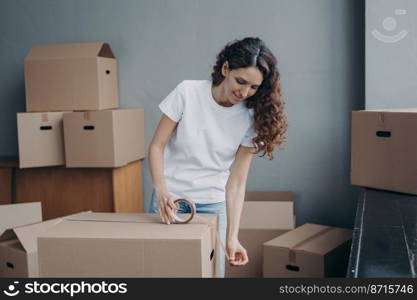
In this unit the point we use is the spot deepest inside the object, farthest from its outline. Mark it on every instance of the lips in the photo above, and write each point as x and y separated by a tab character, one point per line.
238	98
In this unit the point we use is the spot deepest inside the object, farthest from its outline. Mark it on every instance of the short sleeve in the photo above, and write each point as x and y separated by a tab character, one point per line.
173	104
249	135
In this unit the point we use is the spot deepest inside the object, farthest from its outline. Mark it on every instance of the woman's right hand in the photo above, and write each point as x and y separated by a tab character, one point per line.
166	206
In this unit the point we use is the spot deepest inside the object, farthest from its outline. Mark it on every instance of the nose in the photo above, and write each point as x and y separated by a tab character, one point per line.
244	92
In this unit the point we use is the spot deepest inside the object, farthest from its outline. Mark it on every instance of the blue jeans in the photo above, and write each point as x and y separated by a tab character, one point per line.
218	208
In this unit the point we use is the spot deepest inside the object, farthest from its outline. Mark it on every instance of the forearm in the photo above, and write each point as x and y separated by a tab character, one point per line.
156	165
235	194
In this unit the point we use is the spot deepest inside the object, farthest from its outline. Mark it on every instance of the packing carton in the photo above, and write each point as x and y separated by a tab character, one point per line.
384	149
20	224
41	139
106	138
128	245
310	250
261	221
79	76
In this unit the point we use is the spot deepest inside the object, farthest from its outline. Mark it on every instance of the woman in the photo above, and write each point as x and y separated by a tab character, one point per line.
203	146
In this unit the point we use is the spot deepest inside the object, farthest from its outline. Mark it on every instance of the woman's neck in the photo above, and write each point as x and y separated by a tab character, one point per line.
219	95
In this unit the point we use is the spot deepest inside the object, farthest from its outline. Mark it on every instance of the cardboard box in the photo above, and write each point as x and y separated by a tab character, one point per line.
384	149
80	76
20	225
310	250
269	196
262	221
128	245
107	138
41	139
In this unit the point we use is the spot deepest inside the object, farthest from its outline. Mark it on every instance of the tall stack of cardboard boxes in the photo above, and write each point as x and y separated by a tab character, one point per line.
73	119
72	116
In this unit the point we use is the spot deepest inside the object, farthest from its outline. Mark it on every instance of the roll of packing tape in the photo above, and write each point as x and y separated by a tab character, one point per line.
180	218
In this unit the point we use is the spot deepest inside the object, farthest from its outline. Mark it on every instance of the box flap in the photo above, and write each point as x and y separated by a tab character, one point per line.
105	51
68	51
267	215
324	243
269	196
28	234
7	235
127	226
18	214
313	238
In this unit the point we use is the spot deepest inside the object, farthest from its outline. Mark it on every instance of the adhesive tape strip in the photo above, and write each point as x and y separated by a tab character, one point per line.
178	218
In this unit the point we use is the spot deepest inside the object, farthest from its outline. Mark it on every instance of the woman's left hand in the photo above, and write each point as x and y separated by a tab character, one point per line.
237	253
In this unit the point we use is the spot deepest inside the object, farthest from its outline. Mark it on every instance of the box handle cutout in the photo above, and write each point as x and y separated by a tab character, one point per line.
88	127
107	72
46	128
10	265
292	268
211	255
384	134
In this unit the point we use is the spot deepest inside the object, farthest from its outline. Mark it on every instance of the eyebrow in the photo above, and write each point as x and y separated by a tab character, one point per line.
243	79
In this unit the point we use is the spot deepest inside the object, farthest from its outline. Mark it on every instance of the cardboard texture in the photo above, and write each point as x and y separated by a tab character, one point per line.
262	221
66	77
384	149
128	245
269	195
310	250
14	215
107	138
20	226
41	139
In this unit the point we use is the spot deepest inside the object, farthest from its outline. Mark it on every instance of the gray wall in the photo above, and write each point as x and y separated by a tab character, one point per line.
391	54
319	45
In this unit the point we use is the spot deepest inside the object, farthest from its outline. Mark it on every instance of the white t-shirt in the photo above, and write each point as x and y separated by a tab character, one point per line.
201	150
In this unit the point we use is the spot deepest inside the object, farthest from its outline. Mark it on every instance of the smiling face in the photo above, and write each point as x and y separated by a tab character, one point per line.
240	84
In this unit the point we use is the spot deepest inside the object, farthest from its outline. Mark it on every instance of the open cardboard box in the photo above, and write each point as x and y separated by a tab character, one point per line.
20	225
74	76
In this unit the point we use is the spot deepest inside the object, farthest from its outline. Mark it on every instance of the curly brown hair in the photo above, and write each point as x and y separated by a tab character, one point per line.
270	122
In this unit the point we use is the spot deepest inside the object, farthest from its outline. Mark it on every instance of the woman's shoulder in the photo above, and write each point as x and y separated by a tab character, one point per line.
190	90
193	84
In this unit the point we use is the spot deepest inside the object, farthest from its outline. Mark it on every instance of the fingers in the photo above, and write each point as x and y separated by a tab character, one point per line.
162	213
239	258
232	257
171	207
245	258
166	211
171	204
